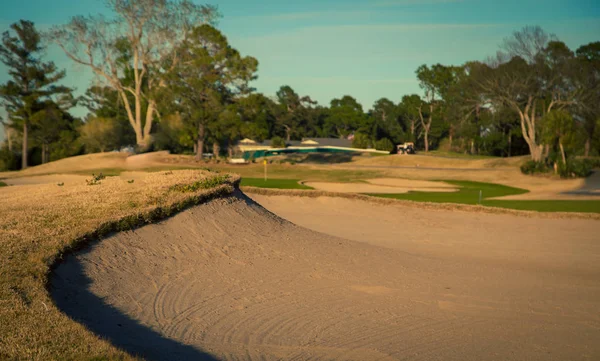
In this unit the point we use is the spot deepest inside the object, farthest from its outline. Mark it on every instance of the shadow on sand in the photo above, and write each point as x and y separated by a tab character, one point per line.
70	289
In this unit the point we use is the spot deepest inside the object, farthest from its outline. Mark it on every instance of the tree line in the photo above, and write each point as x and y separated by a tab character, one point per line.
167	78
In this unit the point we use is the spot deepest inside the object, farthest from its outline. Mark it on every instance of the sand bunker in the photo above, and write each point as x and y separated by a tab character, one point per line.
231	280
384	185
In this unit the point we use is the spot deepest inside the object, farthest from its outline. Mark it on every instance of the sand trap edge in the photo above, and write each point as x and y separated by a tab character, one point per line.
136	220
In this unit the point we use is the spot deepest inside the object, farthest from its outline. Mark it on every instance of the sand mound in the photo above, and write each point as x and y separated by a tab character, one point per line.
383	185
230	279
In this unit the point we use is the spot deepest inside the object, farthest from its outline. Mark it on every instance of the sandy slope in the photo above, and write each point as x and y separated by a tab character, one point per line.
384	185
232	279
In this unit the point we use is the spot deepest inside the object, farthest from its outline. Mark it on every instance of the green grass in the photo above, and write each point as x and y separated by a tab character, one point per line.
589	206
468	193
273	183
2	184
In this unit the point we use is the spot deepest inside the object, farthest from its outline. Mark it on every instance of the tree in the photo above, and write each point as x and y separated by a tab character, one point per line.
98	134
588	58
129	52
292	111
385	123
105	102
345	116
257	116
560	128
435	82
533	82
209	75
54	130
409	110
33	82
278	142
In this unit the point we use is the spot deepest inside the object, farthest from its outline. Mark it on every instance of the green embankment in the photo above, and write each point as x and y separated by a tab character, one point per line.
273	183
469	192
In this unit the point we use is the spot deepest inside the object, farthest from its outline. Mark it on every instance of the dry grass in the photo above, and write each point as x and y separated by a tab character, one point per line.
422	205
39	223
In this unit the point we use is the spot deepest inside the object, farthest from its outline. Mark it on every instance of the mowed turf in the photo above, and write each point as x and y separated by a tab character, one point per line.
2	184
469	193
273	183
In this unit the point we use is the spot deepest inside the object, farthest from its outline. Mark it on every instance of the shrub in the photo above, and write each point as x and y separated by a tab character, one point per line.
361	141
533	167
575	168
384	144
277	142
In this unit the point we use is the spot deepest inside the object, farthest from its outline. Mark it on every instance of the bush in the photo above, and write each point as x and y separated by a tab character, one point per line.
277	142
384	144
533	167
592	162
361	141
575	168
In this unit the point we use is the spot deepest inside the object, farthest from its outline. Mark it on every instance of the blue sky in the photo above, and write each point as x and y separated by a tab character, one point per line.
368	49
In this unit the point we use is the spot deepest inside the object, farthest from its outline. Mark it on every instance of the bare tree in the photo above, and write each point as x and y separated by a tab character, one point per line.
527	43
129	52
533	81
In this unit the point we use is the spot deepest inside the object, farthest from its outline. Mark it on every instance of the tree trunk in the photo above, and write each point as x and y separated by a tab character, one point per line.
44	154
412	130
216	150
230	151
25	136
200	142
472	147
509	143
562	152
426	138
146	139
451	136
587	147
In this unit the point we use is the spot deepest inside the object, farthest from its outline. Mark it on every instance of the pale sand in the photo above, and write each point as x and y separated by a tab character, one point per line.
378	188
233	279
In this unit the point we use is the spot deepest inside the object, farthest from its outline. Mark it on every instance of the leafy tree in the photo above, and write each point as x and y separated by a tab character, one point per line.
278	142
533	82
435	82
210	74
99	134
361	141
128	52
54	130
345	116
384	144
560	128
33	81
385	123
409	110
292	112
105	102
588	59
257	116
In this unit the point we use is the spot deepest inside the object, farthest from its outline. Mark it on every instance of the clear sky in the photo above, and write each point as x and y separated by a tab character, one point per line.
365	48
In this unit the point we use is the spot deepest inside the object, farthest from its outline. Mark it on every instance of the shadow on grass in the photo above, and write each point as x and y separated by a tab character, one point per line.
70	289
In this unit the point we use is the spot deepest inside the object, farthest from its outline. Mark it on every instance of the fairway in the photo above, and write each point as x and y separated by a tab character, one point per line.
273	183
